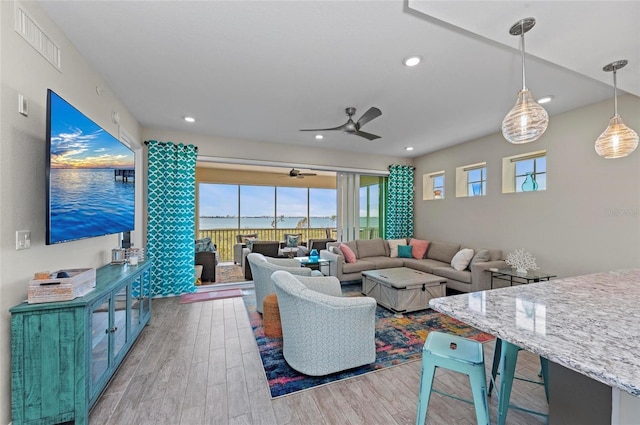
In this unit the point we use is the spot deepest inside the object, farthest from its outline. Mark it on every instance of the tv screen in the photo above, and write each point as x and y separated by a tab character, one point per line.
90	177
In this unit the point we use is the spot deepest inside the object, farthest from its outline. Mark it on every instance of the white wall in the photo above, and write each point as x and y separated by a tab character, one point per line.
22	164
587	220
276	152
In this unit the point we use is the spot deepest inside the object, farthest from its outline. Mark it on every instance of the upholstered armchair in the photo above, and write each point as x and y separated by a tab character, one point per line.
241	243
263	267
324	333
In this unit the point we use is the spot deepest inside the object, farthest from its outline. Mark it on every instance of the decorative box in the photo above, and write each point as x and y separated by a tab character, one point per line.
78	283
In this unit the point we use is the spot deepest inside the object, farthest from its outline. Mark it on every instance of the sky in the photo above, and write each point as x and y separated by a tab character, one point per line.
222	200
78	142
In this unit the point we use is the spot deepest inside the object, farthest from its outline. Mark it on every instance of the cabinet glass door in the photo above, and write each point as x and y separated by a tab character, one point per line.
99	340
119	328
146	293
136	297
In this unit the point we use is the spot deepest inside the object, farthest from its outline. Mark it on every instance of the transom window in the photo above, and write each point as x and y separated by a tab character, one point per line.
477	182
531	174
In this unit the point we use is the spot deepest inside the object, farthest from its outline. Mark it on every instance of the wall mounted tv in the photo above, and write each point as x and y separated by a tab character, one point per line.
90	177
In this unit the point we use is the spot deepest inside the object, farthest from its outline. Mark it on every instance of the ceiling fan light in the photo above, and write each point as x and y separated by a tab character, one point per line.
526	121
617	140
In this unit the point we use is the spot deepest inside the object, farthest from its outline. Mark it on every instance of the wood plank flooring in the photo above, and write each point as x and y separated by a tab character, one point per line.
198	364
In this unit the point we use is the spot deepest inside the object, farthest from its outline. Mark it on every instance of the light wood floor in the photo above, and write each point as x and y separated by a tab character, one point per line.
199	364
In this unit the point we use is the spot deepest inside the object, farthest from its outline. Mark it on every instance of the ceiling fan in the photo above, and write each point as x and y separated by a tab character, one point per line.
299	175
351	127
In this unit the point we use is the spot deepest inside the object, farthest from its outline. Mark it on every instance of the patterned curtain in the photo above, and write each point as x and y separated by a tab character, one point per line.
399	217
171	203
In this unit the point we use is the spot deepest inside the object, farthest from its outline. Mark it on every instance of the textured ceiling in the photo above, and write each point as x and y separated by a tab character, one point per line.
263	70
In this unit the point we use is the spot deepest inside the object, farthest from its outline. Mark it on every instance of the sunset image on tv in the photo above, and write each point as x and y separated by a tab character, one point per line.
91	177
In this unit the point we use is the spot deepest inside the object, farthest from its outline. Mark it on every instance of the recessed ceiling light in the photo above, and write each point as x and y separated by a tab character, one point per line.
545	99
319	136
412	60
189	119
408	148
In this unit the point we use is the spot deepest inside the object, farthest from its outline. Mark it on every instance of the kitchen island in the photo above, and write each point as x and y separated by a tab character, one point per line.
588	327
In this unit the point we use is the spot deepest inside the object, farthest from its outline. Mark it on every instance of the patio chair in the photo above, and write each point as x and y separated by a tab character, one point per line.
241	243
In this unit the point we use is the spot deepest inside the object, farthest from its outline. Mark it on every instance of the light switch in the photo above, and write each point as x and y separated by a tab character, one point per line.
23	239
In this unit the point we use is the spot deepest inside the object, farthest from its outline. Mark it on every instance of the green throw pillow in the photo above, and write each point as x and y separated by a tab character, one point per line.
405	251
293	241
249	242
204	245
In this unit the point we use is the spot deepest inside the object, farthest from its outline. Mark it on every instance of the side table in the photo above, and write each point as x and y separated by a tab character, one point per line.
512	276
316	264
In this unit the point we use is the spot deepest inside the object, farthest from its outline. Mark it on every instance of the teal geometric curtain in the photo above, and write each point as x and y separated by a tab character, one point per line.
171	188
399	218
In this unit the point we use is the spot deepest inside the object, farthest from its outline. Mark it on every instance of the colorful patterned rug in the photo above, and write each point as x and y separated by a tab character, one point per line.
398	340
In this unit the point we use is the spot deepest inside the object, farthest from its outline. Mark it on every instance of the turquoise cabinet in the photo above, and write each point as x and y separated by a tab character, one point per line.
63	354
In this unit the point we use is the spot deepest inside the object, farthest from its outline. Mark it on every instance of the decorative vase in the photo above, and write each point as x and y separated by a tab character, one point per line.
313	255
529	184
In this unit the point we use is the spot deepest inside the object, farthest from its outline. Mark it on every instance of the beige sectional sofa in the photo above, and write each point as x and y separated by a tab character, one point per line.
372	254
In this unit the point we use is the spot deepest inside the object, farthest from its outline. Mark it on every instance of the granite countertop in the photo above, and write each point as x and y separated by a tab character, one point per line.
589	324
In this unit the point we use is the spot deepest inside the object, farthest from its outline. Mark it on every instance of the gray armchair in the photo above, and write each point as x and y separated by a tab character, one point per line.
241	243
266	248
263	267
324	333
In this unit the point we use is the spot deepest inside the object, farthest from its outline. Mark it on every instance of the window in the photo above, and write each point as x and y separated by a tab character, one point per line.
433	186
525	173
471	180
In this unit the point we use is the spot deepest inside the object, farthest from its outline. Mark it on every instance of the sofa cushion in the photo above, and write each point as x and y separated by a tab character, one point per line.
249	240
393	246
405	251
349	255
370	248
450	273
419	247
461	260
424	265
442	251
385	262
358	266
481	256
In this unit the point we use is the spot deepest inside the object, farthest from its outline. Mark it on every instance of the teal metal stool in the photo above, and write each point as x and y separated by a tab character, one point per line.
505	357
458	354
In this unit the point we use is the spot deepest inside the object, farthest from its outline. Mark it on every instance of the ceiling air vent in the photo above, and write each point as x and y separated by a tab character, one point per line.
30	31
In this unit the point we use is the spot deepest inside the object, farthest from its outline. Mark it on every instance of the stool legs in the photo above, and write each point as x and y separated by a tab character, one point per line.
424	394
508	360
478	380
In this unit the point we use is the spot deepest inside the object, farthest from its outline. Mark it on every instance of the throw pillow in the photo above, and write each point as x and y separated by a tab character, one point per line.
250	241
405	251
419	247
481	256
393	246
461	260
293	241
204	245
349	255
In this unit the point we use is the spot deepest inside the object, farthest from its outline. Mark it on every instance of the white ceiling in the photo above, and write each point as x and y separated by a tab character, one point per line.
262	70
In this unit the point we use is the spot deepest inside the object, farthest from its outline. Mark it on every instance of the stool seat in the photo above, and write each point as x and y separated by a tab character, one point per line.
460	355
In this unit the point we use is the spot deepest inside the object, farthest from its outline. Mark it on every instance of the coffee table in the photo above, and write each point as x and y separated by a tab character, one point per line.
402	289
315	264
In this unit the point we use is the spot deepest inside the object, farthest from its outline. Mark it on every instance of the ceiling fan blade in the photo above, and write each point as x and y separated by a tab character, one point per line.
307	174
366	135
372	113
326	129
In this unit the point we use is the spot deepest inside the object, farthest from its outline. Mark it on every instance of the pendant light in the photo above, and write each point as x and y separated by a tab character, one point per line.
527	121
617	140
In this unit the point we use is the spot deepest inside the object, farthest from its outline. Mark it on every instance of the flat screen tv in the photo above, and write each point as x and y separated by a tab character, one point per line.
90	177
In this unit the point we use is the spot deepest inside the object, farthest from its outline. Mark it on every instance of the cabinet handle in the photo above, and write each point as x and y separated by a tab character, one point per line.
112	330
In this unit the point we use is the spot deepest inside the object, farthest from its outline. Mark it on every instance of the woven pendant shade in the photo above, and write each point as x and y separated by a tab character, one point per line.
526	121
617	140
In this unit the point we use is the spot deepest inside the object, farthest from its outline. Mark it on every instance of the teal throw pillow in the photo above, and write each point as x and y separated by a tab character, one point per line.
249	242
405	251
204	245
293	241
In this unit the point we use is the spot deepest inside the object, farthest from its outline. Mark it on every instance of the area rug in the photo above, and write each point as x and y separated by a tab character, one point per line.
227	273
210	295
398	340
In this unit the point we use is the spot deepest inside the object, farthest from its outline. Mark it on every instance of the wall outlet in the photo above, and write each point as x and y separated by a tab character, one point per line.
23	105
23	239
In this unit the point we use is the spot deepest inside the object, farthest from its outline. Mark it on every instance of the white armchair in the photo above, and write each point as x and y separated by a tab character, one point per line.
324	333
263	267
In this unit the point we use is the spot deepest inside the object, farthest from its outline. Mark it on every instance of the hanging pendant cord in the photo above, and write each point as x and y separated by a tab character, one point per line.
615	93
524	86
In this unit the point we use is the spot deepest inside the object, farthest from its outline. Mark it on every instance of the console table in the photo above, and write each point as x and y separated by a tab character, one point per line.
511	276
63	354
